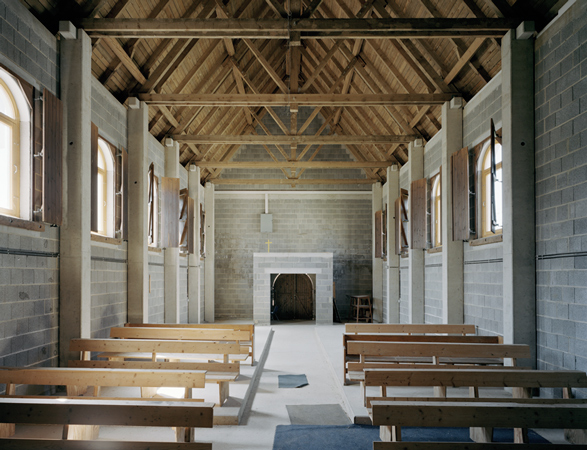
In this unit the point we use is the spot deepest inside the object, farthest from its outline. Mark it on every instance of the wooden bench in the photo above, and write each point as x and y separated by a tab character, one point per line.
477	414
95	412
77	381
218	373
410	328
352	363
248	328
463	446
402	354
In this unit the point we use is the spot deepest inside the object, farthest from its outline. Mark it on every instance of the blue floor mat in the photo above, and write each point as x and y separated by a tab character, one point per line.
361	437
292	381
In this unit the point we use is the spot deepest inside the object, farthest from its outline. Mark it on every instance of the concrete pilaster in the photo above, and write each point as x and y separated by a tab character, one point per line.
452	251
519	272
138	257
209	261
416	260
194	260
75	246
377	296
171	255
391	268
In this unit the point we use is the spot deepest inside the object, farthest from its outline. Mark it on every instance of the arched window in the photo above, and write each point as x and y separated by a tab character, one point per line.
106	203
436	215
491	197
15	149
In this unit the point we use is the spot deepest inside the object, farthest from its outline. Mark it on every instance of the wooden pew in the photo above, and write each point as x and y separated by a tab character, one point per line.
219	373
95	412
477	414
249	328
352	363
77	381
411	328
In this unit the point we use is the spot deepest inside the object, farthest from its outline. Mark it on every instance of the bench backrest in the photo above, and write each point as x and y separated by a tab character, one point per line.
217	326
158	365
194	334
479	414
106	412
476	377
155	346
438	349
64	376
418	328
473	339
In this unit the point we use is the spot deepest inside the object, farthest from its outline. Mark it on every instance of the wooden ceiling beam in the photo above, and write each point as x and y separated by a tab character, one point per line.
276	78
293	164
231	100
277	8
295	139
464	60
355	28
125	59
291	181
311	9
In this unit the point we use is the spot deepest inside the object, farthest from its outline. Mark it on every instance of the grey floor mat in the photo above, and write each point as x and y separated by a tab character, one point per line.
317	415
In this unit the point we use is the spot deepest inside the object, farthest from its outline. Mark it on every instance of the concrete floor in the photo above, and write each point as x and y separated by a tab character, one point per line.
284	348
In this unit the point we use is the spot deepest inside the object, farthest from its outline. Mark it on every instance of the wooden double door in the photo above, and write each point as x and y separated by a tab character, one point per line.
293	295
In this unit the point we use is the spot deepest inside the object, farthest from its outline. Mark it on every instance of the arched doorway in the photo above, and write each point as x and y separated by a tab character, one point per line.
293	297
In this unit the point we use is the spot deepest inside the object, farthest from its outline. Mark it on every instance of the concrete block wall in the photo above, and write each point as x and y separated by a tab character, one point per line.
28	48
311	223
483	287
483	265
109	288
561	191
109	261
29	297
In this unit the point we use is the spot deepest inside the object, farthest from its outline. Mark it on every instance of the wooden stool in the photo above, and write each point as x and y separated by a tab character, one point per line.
361	308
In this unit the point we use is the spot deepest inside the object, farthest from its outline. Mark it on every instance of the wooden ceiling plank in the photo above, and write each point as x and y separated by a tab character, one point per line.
266	65
421	112
311	9
167	64
425	66
323	61
168	115
396	73
277	8
474	8
464	60
117	9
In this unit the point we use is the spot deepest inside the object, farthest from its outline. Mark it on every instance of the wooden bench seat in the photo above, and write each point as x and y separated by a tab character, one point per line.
249	328
352	363
477	414
219	373
77	381
96	412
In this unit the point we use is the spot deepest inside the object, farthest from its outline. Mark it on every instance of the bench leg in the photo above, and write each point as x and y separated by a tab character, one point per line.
440	391
481	434
148	392
222	392
81	432
7	430
390	433
185	434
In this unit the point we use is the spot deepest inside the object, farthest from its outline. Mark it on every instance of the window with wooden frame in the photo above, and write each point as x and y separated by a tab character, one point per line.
436	211
186	223
381	233
202	232
490	172
109	188
153	207
401	223
31	133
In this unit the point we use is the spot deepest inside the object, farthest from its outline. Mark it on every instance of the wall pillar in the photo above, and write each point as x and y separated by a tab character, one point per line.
209	261
75	246
519	268
453	298
138	236
377	295
391	267
171	255
416	260
194	259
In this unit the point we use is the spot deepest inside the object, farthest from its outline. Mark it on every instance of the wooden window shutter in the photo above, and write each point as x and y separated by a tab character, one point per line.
398	226
460	195
186	222
151	205
94	177
38	167
124	186
378	233
52	158
384	233
418	214
202	232
170	212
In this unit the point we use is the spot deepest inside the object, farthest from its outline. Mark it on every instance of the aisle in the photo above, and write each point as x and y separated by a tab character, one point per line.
295	349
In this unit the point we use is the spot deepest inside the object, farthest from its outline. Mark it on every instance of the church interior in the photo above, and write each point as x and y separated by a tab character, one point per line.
384	199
